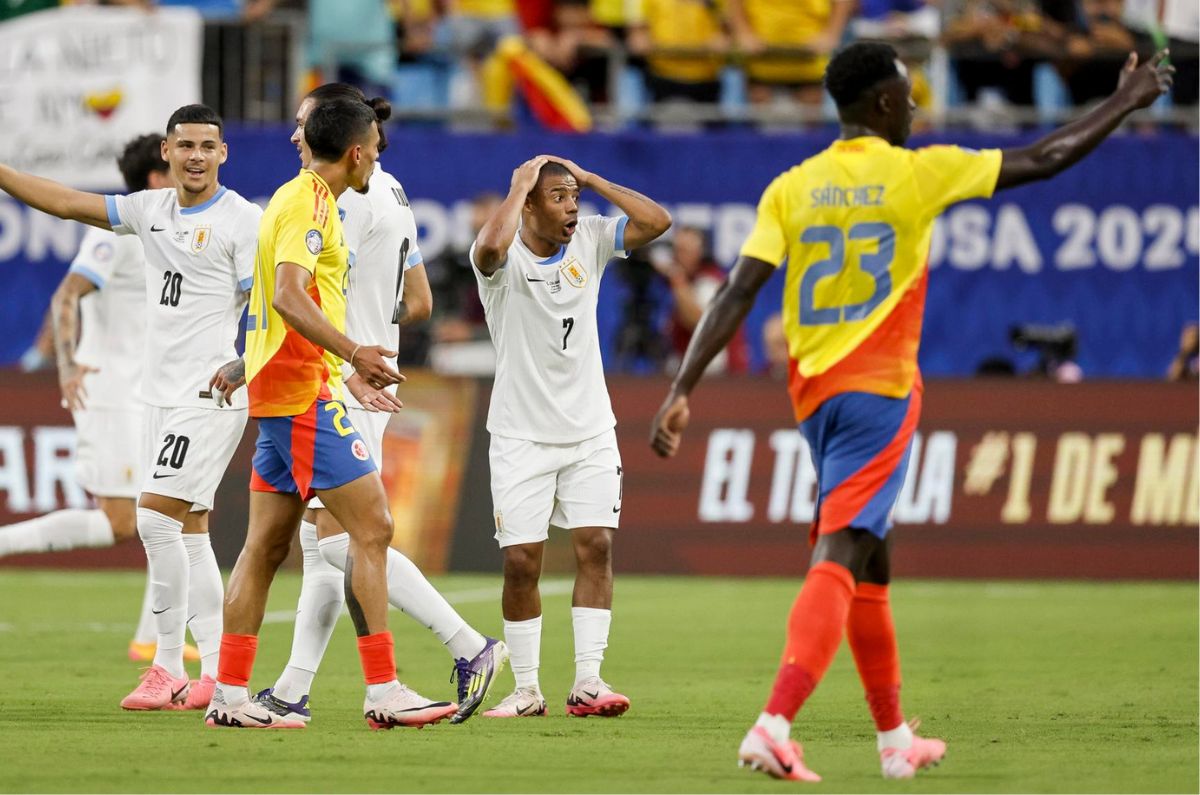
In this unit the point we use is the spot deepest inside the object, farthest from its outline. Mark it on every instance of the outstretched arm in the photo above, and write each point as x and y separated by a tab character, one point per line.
717	327
647	218
493	240
1137	88
54	198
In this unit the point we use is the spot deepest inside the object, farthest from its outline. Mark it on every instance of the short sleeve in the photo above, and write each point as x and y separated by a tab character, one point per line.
299	238
948	174
126	213
768	240
245	246
96	257
488	282
414	257
608	234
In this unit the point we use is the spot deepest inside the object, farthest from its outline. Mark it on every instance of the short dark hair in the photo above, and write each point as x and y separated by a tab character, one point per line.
552	169
858	68
335	126
140	158
381	107
196	114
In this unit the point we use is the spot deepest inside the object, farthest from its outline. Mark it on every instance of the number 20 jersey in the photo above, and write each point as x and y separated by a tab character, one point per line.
541	312
199	266
854	225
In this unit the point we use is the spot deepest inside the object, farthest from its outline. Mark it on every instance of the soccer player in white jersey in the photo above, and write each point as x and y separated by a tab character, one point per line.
98	315
387	289
554	455
199	241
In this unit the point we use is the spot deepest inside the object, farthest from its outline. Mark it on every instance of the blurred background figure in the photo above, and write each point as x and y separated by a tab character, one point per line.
696	29
694	278
775	348
1186	364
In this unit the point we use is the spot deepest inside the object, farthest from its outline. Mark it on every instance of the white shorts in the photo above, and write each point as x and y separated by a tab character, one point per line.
188	451
109	457
536	486
371	426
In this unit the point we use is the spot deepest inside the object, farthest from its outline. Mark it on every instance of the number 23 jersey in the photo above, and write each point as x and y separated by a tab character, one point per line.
541	312
854	224
199	267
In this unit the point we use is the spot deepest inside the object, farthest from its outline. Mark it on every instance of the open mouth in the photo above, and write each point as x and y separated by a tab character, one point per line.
569	228
194	171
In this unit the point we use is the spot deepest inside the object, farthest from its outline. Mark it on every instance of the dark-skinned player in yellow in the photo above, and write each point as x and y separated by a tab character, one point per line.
854	224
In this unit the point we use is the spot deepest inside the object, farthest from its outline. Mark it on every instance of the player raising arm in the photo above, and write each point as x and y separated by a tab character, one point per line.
554	457
198	239
853	224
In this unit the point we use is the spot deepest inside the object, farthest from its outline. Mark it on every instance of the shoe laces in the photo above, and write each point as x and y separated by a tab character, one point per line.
156	678
465	676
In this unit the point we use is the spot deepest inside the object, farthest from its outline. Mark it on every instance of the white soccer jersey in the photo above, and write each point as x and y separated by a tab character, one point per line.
200	266
112	318
541	313
381	234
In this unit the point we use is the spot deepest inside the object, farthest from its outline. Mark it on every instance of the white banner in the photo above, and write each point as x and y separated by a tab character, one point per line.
78	82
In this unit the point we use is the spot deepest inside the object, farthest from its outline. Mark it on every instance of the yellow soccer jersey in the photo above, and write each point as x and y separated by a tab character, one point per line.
854	224
285	372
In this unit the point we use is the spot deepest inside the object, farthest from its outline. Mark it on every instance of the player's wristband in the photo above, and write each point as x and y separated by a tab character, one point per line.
351	359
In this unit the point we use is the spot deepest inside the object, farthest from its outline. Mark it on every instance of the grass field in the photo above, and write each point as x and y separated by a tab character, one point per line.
1037	687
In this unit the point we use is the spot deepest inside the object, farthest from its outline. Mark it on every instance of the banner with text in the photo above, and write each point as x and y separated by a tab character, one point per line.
77	83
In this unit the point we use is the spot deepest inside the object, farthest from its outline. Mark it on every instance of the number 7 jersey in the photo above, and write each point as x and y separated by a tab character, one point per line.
854	224
541	312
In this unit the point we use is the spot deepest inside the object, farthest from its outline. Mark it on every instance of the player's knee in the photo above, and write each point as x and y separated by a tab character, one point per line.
124	528
594	550
522	567
269	550
375	531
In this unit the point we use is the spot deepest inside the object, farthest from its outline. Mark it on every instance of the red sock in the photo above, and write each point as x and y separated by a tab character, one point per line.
378	658
815	628
236	660
873	640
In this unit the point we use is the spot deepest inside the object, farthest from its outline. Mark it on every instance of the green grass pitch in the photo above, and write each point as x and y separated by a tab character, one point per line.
1037	687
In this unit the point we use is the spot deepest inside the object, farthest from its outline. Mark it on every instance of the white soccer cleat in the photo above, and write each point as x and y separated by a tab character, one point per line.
401	706
255	713
593	696
524	702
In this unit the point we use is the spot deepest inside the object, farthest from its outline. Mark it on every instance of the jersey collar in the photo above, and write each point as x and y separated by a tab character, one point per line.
318	178
199	208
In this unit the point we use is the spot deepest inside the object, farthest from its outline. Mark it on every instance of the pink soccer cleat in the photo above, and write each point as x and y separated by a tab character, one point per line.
905	762
401	706
158	690
199	694
759	751
593	696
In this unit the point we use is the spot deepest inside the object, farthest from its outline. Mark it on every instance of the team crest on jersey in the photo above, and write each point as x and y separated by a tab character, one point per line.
574	273
314	241
200	237
359	449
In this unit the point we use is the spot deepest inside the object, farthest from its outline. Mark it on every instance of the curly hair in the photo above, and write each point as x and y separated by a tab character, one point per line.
858	68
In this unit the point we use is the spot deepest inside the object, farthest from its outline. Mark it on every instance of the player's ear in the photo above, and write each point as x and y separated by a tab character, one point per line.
883	103
224	152
162	150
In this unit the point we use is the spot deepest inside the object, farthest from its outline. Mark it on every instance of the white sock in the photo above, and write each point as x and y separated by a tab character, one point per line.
408	590
232	695
167	557
147	629
900	737
776	725
379	691
322	594
56	532
206	597
591	639
524	639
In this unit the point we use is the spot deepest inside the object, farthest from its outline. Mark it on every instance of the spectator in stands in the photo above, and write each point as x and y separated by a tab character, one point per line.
1174	24
694	278
997	43
815	26
565	35
1096	49
911	26
686	25
1186	364
457	311
775	347
416	22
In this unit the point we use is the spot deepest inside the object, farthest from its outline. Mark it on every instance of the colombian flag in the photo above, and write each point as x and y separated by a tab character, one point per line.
550	97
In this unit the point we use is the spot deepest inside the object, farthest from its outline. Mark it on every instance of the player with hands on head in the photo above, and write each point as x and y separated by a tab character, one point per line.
854	225
554	457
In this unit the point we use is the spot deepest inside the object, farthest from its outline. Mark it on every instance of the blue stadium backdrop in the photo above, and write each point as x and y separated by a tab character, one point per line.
1110	246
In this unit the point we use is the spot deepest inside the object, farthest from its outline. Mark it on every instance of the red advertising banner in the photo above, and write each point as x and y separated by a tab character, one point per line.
1008	478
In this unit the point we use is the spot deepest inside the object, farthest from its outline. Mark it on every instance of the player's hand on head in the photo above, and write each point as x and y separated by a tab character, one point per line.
370	362
70	381
1147	82
581	176
666	432
525	176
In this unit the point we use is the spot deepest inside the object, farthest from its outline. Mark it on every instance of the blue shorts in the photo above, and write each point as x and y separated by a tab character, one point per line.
318	449
860	445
